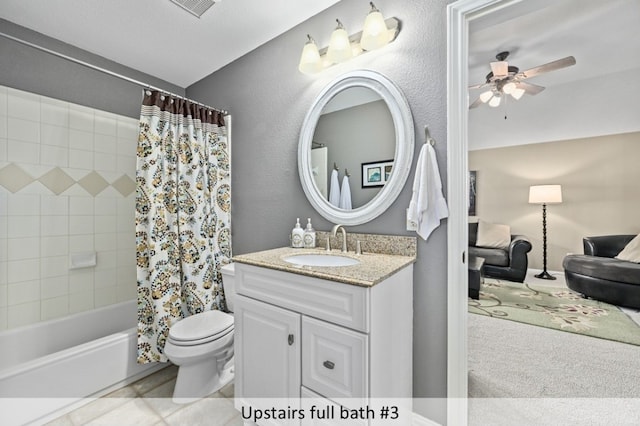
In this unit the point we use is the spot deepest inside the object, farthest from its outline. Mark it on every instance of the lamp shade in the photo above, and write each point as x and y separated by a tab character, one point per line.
545	194
495	101
310	62
517	93
485	96
339	46
375	33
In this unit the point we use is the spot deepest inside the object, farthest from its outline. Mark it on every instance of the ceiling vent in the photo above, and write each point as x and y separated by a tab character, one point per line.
195	7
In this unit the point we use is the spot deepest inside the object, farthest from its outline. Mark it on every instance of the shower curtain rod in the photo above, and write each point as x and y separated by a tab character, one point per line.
104	70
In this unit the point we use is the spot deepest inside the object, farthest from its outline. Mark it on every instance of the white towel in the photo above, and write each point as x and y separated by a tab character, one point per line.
427	206
345	194
334	190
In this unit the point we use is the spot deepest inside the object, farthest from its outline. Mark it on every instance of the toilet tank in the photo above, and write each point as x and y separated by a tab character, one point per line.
229	284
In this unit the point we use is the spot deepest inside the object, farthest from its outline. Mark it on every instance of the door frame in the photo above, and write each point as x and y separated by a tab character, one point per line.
459	15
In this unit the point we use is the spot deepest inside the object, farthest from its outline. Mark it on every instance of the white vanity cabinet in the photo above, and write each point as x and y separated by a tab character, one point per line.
297	336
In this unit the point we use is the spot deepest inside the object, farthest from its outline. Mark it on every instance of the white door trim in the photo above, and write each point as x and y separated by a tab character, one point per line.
459	15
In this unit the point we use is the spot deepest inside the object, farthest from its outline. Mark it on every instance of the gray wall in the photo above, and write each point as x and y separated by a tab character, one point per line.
600	191
29	69
269	98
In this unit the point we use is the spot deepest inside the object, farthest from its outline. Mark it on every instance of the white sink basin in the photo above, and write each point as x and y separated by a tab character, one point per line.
321	260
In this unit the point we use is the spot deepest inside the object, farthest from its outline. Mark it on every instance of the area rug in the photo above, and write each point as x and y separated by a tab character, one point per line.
556	308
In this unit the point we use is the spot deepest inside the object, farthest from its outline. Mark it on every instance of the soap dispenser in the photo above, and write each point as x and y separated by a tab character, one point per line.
297	235
309	235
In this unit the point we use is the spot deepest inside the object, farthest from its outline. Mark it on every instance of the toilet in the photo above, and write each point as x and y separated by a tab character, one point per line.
202	347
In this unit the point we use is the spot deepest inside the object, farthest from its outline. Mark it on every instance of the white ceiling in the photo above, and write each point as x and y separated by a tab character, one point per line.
599	95
160	38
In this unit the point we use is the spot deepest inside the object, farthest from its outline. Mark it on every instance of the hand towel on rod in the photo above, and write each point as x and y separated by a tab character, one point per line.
345	194
334	189
427	206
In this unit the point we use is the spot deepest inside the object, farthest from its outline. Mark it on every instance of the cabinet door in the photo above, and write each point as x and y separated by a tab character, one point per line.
335	362
267	351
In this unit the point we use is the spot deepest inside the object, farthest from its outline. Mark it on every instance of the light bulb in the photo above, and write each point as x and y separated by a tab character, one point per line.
339	45
495	101
310	62
485	96
509	87
375	33
517	93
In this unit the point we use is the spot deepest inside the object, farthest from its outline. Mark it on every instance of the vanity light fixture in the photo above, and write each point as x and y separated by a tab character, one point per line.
377	32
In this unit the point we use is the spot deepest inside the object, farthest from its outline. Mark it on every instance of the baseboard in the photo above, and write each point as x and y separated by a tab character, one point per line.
418	420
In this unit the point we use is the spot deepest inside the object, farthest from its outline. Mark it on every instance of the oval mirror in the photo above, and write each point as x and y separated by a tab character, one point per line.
361	125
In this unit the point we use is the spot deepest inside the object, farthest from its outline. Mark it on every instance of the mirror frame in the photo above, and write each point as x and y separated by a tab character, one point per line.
404	132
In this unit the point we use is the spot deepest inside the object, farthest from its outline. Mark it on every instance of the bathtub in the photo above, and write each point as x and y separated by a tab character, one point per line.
47	366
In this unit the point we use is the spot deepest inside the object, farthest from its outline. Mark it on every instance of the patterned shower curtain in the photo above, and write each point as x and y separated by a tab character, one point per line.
182	216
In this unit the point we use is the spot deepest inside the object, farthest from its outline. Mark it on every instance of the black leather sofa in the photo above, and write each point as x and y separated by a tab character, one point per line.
509	264
598	275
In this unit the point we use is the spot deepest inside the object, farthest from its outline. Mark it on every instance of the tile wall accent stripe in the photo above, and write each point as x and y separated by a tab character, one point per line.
93	183
56	180
13	178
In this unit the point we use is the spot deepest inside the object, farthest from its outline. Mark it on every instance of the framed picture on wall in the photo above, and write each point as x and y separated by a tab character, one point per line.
376	174
473	192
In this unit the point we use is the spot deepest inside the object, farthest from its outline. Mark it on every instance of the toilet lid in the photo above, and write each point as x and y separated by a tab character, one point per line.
203	326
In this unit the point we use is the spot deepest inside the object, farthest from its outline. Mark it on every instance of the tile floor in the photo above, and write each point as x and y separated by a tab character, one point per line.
148	402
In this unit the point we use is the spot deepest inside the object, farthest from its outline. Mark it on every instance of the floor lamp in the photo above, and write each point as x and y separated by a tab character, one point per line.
545	194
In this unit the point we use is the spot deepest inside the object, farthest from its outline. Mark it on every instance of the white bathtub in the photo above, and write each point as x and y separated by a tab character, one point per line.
47	366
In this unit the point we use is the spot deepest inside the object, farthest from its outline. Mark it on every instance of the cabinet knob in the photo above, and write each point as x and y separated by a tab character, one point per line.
290	339
329	365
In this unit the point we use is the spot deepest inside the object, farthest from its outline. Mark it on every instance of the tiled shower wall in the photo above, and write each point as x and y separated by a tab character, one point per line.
67	186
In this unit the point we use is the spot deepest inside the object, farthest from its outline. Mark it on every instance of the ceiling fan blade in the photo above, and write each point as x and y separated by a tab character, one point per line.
475	103
478	86
531	89
500	69
551	66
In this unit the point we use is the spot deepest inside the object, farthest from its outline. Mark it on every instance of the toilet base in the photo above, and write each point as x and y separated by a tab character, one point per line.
199	380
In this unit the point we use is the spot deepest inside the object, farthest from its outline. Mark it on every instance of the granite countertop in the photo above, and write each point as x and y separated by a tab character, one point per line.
372	269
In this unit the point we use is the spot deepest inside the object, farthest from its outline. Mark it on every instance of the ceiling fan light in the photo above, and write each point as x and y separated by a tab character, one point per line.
375	33
310	62
517	93
485	96
339	45
509	87
495	101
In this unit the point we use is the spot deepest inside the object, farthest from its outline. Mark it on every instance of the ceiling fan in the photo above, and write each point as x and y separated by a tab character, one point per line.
505	79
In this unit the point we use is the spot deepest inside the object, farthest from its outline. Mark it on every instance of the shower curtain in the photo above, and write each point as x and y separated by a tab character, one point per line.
182	216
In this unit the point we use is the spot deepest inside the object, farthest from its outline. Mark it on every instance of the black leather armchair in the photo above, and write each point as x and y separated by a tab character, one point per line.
509	264
597	274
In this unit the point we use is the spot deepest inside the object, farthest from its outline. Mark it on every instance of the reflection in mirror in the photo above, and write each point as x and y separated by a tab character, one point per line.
355	128
360	122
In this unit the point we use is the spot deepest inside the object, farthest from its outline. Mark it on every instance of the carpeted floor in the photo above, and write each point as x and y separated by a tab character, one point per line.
529	375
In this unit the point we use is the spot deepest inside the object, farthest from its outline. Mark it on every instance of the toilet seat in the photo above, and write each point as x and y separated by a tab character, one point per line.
201	328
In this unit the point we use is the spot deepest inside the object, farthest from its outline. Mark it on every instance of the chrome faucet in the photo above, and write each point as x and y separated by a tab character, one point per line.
334	231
